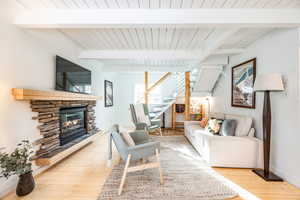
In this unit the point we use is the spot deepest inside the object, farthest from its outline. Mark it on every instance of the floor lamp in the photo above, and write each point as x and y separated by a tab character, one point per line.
267	83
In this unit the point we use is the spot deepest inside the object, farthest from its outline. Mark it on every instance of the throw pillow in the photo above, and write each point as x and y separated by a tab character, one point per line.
203	122
228	127
128	138
251	132
214	125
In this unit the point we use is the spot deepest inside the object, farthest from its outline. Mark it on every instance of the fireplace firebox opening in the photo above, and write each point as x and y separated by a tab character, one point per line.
73	124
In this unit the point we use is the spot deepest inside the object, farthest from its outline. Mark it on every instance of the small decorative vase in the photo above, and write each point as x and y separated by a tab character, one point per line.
26	184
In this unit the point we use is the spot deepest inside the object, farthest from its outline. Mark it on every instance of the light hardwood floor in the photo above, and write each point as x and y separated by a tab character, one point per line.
81	176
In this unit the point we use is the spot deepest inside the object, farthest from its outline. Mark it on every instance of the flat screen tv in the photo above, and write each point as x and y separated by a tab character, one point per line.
71	77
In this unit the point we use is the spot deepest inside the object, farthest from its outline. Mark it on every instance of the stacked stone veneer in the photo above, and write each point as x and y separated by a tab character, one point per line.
48	117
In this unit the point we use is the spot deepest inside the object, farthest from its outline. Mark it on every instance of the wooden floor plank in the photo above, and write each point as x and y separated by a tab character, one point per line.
81	176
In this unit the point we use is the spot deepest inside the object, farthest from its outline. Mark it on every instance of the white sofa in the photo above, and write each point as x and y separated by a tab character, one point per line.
239	151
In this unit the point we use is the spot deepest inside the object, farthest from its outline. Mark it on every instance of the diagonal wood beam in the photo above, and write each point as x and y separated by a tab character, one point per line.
159	81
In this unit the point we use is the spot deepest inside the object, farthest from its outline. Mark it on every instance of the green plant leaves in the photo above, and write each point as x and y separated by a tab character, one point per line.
17	162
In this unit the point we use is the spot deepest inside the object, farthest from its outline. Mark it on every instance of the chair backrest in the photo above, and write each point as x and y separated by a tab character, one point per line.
141	113
120	143
133	114
146	109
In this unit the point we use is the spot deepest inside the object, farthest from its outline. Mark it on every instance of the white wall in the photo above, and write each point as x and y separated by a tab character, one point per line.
277	52
27	60
105	116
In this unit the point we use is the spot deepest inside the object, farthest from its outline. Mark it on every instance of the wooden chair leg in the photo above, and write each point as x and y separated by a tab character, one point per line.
124	175
160	132
159	167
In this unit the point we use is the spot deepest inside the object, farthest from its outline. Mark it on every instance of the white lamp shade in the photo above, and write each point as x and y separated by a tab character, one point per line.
268	82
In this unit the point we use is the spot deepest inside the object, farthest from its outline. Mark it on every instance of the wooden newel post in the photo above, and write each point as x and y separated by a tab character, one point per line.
146	87
187	96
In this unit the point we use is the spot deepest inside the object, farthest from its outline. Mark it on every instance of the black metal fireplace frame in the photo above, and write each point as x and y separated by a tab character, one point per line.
64	110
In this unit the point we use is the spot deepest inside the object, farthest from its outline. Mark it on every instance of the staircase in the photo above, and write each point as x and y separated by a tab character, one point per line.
202	82
176	88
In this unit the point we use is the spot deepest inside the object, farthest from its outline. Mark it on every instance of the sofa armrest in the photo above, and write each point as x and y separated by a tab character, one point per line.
260	150
187	123
232	151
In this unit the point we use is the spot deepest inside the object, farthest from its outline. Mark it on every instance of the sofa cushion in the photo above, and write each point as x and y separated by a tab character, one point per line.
196	128
203	122
251	132
243	125
214	125
228	127
126	136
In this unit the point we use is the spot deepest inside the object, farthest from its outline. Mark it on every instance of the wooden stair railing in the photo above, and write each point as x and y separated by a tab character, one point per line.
157	83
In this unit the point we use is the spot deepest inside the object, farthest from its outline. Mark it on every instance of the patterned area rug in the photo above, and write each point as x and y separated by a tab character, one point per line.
186	176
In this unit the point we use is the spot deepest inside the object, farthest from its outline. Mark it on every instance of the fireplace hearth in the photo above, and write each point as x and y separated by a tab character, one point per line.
72	124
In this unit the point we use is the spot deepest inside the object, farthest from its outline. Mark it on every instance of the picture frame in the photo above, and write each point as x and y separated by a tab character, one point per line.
108	93
242	81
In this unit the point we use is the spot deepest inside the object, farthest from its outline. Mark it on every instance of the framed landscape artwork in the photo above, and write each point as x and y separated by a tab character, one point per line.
108	93
243	76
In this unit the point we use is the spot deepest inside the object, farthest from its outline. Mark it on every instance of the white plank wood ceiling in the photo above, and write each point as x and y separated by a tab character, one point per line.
141	38
159	38
161	44
154	63
158	4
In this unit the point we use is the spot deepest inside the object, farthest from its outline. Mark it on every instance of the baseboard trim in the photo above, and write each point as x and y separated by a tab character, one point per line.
290	179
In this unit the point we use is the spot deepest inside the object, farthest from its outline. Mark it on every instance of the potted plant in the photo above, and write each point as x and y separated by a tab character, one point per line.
19	163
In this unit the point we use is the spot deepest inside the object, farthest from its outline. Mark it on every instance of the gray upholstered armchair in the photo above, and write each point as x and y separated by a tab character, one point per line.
155	124
143	149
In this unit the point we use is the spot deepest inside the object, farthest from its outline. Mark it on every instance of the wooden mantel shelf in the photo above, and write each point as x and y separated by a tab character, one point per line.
29	94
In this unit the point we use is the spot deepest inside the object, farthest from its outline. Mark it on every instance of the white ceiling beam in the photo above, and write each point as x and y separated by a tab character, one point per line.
215	42
141	54
113	18
211	46
215	60
232	51
142	68
152	54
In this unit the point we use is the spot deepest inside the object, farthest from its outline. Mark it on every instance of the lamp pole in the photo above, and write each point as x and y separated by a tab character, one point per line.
267	119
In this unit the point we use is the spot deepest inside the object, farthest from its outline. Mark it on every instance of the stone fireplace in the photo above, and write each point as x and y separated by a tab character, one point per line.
66	122
63	124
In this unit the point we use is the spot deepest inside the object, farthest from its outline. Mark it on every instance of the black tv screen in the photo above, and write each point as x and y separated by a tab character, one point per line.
72	77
